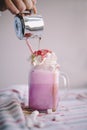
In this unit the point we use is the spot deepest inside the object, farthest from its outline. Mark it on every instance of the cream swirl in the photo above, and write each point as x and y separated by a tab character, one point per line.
44	58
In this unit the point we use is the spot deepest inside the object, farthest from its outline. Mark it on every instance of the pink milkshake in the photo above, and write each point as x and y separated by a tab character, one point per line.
43	84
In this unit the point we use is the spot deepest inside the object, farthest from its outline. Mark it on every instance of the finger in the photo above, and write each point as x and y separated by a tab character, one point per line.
29	4
20	5
35	9
34	1
34	6
10	5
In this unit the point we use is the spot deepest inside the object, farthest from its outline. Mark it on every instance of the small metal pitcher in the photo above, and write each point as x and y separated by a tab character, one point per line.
27	25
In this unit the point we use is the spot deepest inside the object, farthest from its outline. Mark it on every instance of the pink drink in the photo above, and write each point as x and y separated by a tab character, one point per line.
43	93
43	85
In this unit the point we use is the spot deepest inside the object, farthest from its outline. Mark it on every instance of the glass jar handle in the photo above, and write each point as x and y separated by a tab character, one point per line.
65	78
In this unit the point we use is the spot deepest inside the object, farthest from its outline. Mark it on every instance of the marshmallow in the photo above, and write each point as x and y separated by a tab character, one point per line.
49	111
29	123
36	113
32	120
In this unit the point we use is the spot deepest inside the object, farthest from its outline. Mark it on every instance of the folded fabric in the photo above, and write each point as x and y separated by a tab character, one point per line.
11	114
19	90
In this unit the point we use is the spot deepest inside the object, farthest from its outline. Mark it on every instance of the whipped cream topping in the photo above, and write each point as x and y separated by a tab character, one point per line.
44	58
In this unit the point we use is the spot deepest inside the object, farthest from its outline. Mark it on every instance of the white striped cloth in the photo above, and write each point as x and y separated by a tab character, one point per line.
11	114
